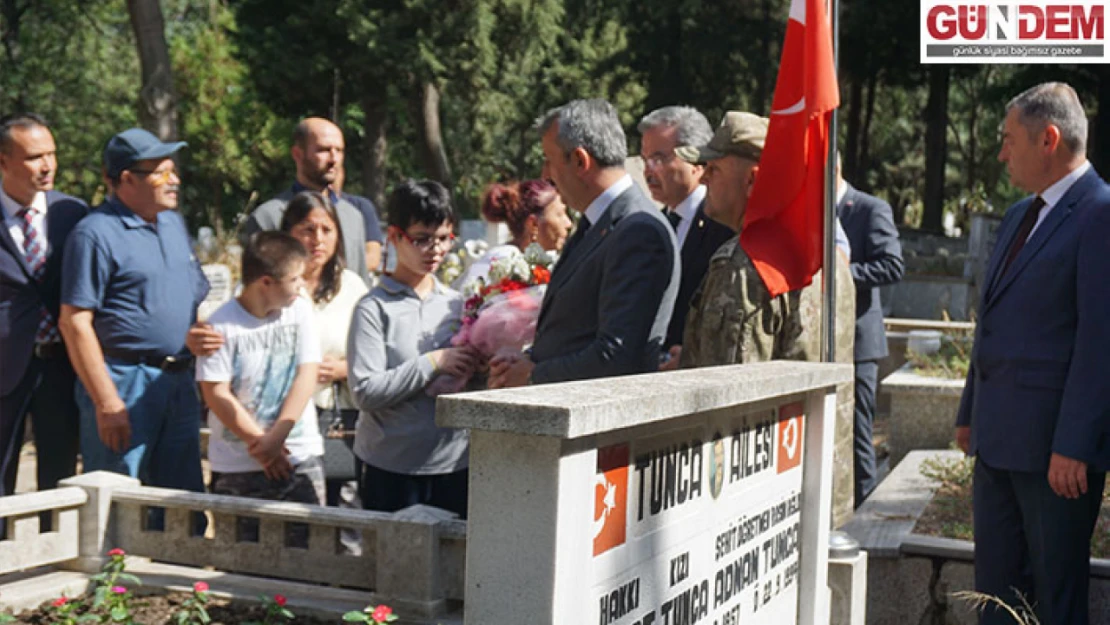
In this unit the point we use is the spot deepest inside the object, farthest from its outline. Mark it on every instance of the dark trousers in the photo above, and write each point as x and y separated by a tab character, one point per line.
865	467
1031	541
46	392
386	491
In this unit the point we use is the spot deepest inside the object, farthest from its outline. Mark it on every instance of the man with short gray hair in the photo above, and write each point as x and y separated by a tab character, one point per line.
1034	412
677	185
611	294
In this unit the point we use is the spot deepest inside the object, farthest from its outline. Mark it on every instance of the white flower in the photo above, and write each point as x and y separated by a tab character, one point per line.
451	268
474	287
534	254
500	268
475	249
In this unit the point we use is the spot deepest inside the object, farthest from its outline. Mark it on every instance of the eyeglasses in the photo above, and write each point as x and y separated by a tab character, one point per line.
156	178
425	244
657	159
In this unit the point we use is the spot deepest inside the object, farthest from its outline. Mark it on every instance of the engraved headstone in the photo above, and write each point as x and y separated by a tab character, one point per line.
220	289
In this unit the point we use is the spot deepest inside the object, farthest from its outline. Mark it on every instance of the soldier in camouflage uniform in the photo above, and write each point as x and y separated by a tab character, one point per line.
733	318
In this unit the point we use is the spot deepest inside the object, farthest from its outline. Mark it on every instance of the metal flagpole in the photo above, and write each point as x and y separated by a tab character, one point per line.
828	273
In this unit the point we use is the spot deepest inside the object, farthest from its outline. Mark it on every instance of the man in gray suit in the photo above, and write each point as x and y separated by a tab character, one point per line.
318	154
876	261
613	290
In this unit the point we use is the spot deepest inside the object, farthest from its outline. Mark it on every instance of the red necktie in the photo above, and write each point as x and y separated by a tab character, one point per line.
1027	223
34	252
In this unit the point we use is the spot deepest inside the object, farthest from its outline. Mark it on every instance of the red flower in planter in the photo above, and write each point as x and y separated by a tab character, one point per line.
200	587
381	613
59	602
117	552
119	590
280	600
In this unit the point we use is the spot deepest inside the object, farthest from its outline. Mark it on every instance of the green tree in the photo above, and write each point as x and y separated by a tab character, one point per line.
74	63
237	145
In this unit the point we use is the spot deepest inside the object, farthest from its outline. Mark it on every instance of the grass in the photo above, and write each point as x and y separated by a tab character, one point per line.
949	514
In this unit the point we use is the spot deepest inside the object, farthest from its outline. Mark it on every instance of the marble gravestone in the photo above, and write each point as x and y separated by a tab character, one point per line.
698	496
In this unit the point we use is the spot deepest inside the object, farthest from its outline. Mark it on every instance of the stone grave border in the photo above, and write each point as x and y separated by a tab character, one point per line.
910	574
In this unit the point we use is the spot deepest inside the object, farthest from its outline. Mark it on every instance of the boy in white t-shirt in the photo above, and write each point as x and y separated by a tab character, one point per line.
265	441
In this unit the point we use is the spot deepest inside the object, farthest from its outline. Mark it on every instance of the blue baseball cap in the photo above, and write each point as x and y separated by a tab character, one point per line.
134	145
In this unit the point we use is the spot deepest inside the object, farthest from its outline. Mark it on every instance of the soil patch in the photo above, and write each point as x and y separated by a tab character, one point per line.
152	606
948	515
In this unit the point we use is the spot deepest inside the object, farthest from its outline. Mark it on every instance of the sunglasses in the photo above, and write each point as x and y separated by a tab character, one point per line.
156	178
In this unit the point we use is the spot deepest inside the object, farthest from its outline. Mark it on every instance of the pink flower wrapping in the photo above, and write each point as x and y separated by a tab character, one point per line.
506	321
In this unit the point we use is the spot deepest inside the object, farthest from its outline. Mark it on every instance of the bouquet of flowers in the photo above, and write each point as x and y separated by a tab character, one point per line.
501	311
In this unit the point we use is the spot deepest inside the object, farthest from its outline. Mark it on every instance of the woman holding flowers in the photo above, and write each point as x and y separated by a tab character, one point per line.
534	213
399	343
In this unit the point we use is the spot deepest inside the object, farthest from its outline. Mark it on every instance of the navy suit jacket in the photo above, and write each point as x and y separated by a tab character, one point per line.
1037	383
702	241
21	295
610	298
876	261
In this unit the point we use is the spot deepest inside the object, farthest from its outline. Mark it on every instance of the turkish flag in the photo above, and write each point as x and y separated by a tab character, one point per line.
784	222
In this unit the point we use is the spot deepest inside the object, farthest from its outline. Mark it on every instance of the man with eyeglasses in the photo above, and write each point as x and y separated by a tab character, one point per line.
130	290
677	185
37	221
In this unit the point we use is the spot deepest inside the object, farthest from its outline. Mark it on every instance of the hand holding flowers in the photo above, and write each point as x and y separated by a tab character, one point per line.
501	312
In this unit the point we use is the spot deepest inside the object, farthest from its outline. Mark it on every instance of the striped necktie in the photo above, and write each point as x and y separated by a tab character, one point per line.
34	252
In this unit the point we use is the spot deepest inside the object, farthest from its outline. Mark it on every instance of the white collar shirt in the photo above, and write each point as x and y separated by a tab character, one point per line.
601	203
1055	193
13	221
841	191
686	210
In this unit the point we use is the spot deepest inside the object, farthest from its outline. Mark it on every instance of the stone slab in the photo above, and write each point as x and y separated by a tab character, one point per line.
931	297
245	506
884	521
577	409
27	591
900	324
54	499
906	381
922	411
937	547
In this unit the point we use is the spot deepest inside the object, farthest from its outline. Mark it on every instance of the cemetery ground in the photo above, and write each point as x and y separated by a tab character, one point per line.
157	606
948	515
153	605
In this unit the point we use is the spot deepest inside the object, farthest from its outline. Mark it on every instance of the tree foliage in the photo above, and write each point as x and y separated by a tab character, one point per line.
451	88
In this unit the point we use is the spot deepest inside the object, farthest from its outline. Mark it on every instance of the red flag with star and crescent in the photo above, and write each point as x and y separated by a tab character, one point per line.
783	230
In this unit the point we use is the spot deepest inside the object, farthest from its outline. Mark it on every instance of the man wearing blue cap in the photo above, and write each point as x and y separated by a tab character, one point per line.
130	290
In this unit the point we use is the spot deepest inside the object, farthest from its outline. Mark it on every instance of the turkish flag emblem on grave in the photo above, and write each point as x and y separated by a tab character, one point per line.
610	498
791	421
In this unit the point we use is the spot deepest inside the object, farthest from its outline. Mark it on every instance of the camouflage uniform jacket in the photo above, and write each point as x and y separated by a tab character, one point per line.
733	319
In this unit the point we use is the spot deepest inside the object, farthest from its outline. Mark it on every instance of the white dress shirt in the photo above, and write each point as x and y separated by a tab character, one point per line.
1055	193
686	210
601	203
14	222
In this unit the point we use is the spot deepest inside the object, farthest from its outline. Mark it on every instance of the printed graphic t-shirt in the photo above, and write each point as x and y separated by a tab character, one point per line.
259	358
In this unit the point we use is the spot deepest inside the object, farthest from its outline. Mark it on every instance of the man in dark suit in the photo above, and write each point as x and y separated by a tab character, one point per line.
876	257
1035	412
35	375
612	292
677	185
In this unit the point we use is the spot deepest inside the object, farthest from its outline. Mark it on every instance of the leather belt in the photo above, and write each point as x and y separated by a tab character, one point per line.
50	351
170	364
